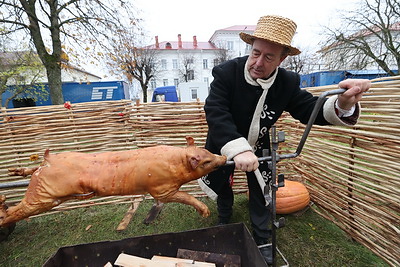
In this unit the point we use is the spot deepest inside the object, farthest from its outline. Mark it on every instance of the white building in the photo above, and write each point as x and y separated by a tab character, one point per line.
196	59
339	56
74	74
36	72
179	58
228	38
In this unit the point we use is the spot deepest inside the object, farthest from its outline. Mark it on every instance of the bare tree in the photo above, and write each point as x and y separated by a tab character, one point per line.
303	63
222	54
295	63
186	69
136	62
84	22
368	35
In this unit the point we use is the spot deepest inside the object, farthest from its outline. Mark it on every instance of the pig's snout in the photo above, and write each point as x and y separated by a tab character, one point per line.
222	160
203	162
219	161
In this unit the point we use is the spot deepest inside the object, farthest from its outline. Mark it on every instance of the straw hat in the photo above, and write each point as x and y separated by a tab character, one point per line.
275	29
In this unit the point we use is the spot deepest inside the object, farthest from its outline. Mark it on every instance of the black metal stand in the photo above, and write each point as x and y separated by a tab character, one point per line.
277	180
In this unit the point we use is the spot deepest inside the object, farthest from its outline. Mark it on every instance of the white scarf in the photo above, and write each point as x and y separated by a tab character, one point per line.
255	122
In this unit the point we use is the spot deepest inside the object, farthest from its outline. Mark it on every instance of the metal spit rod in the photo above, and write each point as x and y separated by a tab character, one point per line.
14	184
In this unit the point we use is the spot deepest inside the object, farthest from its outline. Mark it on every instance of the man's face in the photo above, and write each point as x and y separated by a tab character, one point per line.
265	57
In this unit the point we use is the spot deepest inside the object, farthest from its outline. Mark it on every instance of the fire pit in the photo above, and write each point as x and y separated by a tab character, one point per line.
232	239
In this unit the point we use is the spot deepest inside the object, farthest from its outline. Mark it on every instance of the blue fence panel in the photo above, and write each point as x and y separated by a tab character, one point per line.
334	77
95	91
76	93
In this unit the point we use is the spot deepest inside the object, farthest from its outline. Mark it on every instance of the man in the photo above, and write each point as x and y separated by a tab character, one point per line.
247	96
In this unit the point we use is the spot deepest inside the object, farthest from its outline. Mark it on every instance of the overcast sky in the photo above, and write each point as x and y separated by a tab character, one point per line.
168	18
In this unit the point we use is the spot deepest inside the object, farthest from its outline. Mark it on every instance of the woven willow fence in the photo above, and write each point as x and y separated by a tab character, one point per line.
351	173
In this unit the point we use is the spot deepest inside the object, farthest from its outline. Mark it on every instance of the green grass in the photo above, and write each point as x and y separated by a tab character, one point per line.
308	240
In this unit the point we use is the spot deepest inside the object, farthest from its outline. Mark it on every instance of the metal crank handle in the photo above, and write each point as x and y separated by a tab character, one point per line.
311	120
307	130
261	159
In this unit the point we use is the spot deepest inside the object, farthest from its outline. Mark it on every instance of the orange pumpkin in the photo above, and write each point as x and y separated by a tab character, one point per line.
293	197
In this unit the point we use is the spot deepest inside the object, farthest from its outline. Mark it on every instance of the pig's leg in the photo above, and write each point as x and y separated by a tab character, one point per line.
21	171
187	199
4	231
3	209
36	200
24	210
33	204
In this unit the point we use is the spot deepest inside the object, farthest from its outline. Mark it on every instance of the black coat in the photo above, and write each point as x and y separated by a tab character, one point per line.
232	101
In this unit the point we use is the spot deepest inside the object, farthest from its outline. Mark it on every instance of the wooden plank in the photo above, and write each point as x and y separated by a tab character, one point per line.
218	259
128	216
182	262
185	264
125	260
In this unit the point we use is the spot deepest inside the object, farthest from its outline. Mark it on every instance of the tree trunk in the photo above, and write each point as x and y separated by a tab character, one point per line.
55	83
50	61
144	90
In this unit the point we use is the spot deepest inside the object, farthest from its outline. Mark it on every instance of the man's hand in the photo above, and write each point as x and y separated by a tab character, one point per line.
246	161
355	89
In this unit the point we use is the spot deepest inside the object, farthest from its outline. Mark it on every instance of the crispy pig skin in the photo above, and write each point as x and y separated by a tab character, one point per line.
158	170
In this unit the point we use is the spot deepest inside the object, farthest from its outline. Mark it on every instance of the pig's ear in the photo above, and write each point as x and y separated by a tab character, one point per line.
194	161
190	141
47	153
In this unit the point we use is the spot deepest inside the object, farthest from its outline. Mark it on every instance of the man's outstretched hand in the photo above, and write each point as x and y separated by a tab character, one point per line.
355	90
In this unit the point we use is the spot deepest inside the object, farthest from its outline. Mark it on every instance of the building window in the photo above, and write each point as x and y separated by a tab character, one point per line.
175	64
163	64
230	45
165	82
205	79
216	61
153	84
205	63
247	49
194	93
190	75
176	82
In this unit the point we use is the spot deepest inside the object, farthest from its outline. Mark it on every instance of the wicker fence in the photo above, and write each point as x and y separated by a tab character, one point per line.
352	173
